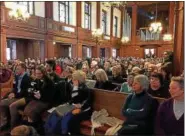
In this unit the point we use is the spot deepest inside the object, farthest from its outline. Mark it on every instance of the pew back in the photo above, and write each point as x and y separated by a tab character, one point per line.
111	101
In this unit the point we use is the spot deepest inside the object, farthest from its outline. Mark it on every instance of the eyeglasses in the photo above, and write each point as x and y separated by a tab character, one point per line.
154	79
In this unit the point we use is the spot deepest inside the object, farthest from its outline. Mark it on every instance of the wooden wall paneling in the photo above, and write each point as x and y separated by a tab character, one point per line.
30	49
19	49
73	49
179	40
49	48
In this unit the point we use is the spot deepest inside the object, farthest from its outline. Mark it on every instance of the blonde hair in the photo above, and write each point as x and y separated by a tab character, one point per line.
79	75
117	70
101	75
20	131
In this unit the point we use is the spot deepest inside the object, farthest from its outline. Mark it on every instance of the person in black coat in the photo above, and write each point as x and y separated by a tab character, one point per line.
157	88
116	75
102	81
50	69
14	99
41	94
81	98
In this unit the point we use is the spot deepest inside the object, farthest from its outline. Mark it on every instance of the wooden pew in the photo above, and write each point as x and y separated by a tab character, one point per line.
112	102
6	87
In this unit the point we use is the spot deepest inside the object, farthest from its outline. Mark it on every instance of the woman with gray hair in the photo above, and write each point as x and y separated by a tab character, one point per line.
139	109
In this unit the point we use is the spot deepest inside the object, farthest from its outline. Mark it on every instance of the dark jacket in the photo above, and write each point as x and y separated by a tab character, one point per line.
107	85
63	92
54	77
109	73
117	79
140	109
161	92
166	123
25	83
46	88
82	96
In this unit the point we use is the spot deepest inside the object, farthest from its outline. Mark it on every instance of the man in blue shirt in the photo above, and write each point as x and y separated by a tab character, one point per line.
15	98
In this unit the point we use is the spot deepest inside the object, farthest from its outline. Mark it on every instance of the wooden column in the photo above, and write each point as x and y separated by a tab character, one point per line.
49	47
79	50
3	45
171	17
178	61
78	14
98	14
49	9
78	46
134	23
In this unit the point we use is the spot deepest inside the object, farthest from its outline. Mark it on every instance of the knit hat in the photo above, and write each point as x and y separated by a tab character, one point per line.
159	76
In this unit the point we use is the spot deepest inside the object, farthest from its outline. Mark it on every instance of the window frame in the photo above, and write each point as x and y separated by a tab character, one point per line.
66	12
28	6
115	26
104	21
88	14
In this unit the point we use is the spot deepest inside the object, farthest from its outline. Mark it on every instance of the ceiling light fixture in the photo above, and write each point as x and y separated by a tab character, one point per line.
155	27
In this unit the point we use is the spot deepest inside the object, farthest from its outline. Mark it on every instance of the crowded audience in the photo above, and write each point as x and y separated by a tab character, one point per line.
37	86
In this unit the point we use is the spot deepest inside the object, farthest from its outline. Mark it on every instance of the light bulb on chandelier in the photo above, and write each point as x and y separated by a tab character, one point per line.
156	27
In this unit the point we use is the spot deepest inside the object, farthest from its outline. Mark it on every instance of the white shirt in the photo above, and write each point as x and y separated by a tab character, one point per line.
178	108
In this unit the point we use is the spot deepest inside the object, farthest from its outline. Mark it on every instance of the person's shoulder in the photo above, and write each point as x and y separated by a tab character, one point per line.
165	104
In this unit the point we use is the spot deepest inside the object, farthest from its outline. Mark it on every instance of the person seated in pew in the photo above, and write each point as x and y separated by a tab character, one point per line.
41	93
102	81
81	98
116	75
85	68
139	109
50	69
156	88
12	101
136	70
170	115
107	68
127	86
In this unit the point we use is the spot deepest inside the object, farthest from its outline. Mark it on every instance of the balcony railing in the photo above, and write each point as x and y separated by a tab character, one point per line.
146	35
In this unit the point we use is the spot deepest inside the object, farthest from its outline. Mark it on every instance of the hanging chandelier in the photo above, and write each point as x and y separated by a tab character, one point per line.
115	4
17	12
155	27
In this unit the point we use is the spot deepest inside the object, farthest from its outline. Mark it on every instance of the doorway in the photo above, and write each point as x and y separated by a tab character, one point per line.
149	52
102	52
